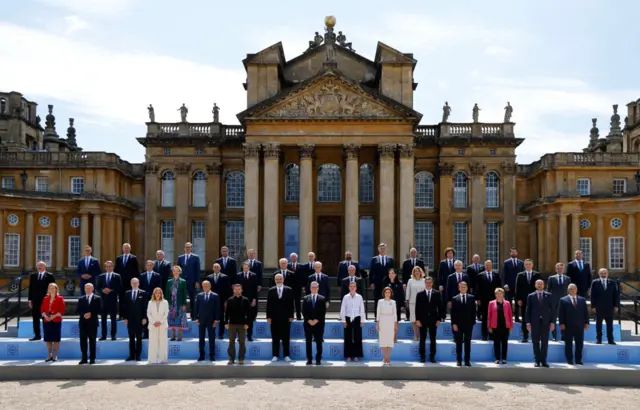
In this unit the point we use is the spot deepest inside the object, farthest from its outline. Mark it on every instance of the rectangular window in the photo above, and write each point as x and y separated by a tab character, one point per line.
77	185
493	241
424	237
11	250
234	237
366	241
43	249
8	183
198	239
616	252
583	186
199	191
460	238
42	184
585	247
74	251
167	151
619	186
166	239
291	235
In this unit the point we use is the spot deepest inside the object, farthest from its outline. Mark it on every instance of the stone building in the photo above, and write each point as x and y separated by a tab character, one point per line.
330	155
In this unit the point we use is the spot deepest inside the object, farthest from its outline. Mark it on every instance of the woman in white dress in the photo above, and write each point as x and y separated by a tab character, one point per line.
415	285
386	324
157	312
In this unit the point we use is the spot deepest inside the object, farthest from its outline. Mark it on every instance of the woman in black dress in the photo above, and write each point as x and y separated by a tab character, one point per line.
393	281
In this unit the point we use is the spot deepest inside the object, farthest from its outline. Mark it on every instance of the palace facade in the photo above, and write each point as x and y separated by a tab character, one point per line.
330	155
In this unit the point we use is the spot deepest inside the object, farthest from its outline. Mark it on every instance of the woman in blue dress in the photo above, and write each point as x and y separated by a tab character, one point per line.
177	295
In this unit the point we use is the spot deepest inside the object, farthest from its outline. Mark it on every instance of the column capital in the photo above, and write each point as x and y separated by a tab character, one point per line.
509	168
351	151
271	150
387	150
445	169
477	168
251	150
183	168
214	169
406	150
631	214
151	167
307	150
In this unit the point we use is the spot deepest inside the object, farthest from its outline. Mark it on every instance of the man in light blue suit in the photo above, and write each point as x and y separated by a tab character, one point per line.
88	268
190	264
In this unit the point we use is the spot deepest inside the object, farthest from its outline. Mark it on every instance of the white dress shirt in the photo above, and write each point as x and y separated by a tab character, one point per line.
352	307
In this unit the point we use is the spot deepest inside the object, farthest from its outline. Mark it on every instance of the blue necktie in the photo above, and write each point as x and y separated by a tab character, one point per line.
313	301
580	264
124	261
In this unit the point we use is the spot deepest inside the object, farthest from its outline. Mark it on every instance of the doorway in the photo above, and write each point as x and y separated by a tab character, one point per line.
329	243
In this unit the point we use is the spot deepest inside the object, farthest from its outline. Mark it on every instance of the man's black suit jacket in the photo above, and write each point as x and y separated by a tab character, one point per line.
310	313
463	315
428	312
38	288
132	270
280	309
222	288
524	288
95	308
407	267
231	269
135	310
250	286
115	284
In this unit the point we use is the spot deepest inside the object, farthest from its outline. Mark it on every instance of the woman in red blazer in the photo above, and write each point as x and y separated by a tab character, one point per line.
500	324
52	309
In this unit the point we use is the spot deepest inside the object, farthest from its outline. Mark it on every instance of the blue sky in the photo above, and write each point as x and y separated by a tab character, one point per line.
103	61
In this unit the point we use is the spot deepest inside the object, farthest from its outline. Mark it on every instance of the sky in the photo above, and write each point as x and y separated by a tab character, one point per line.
103	62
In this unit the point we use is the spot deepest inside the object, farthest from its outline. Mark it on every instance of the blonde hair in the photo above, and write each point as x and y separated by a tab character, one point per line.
498	290
420	273
153	295
178	268
55	286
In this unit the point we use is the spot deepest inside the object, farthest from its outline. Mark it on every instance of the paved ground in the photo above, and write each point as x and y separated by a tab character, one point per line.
306	394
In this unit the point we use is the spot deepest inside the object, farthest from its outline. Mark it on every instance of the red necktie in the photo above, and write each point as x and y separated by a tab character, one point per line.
539	297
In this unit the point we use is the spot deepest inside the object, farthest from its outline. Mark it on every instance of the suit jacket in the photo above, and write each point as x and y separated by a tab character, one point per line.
250	286
510	272
57	306
38	288
93	269
604	300
581	278
160	314
444	270
299	272
258	268
222	287
524	288
181	294
451	288
149	285
557	290
280	309
83	307
207	311
190	268
492	315
397	288
344	288
324	286
407	267
289	278
135	310
128	272
428	312
485	290
573	317
540	311
343	270
115	284
378	271
164	270
309	312
230	268
473	271
463	315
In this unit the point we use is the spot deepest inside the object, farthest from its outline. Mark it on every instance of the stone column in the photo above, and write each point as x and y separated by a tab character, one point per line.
631	242
151	188
251	194
110	244
407	205
306	200
3	218
562	238
352	200
387	217
478	203
213	213
542	248
183	201
533	241
29	243
126	236
118	236
445	171
575	234
59	261
601	245
84	230
270	207
138	227
549	262
97	236
508	182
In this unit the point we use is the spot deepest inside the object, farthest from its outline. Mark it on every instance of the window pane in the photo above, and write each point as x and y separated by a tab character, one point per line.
166	239
198	240
77	185
43	249
8	183
460	241
424	190
366	242
292	183
492	190
585	247
493	241
365	188
199	190
616	253
168	190
329	183
235	190
12	250
583	186
460	191
291	235
74	251
424	236
42	184
234	237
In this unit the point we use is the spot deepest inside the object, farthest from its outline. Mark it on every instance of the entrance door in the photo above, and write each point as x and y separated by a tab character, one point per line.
329	243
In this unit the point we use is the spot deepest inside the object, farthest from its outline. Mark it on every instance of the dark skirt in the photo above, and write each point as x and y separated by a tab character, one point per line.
52	331
353	339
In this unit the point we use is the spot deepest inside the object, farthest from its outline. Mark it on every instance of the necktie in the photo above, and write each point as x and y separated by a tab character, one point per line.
575	304
313	301
514	262
413	262
206	297
284	275
215	279
348	263
279	293
251	263
459	278
108	279
124	260
475	266
604	284
353	279
449	264
384	261
310	265
528	276
89	300
429	295
294	267
86	262
539	297
560	277
133	295
148	277
40	276
490	278
317	278
464	299
246	276
580	265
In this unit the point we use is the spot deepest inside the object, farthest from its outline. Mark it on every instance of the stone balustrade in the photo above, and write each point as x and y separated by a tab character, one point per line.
568	159
195	130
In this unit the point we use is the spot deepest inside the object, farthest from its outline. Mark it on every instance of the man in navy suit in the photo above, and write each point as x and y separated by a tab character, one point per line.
463	318
473	271
88	268
351	277
128	268
343	267
540	319
410	263
279	317
488	282
249	282
207	316
163	268
110	287
573	316
446	268
323	282
255	266
39	282
453	282
299	282
220	285
88	309
379	269
149	280
314	309
580	273
605	299
308	269
510	269
228	264
135	317
525	285
190	264
428	314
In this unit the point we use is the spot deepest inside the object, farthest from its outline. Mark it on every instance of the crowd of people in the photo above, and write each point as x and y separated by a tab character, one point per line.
156	300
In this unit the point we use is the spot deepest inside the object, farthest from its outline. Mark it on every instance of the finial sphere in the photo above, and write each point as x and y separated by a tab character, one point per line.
330	21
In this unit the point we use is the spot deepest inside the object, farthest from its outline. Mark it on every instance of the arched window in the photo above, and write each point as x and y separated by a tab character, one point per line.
329	183
365	191
168	189
235	189
424	190
492	185
292	183
199	190
460	190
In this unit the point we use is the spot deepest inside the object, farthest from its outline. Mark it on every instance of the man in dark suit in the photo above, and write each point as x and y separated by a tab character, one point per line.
88	309
255	266
580	273
428	313
573	316
343	267
525	285
229	265
127	267
558	286
249	282
540	318
446	268
473	271
488	282
38	286
410	263
88	268
163	268
605	300
323	282
314	309
110	288
287	275
279	317
207	316
510	269
453	282
135	317
299	282
222	287
379	269
463	318
351	277
190	264
149	280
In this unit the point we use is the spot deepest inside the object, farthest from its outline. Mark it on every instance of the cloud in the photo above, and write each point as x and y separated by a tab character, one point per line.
74	24
98	7
497	51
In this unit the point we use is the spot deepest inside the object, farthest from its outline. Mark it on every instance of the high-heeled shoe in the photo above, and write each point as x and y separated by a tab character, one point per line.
173	339
49	359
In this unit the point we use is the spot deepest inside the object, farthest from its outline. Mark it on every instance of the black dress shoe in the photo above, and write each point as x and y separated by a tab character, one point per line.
212	359
537	364
309	362
250	339
612	342
524	340
33	339
318	363
138	359
545	364
422	360
458	364
570	362
433	360
128	359
83	361
579	363
598	342
201	359
468	364
113	338
102	339
92	361
50	359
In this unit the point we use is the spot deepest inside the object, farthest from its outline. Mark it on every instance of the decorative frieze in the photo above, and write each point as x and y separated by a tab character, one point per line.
387	150
307	150
151	167
509	168
477	168
351	151
445	169
271	150
251	150
406	150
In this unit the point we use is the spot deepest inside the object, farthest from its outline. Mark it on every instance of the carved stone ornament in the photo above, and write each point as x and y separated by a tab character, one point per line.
477	168
509	168
307	150
387	150
151	167
351	151
329	100
214	169
406	150
446	169
271	150
183	168
251	150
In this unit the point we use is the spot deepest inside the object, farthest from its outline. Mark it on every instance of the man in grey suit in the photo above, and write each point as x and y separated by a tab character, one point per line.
557	285
540	319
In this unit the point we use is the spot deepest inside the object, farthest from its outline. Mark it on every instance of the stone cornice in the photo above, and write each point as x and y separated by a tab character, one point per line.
83	197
